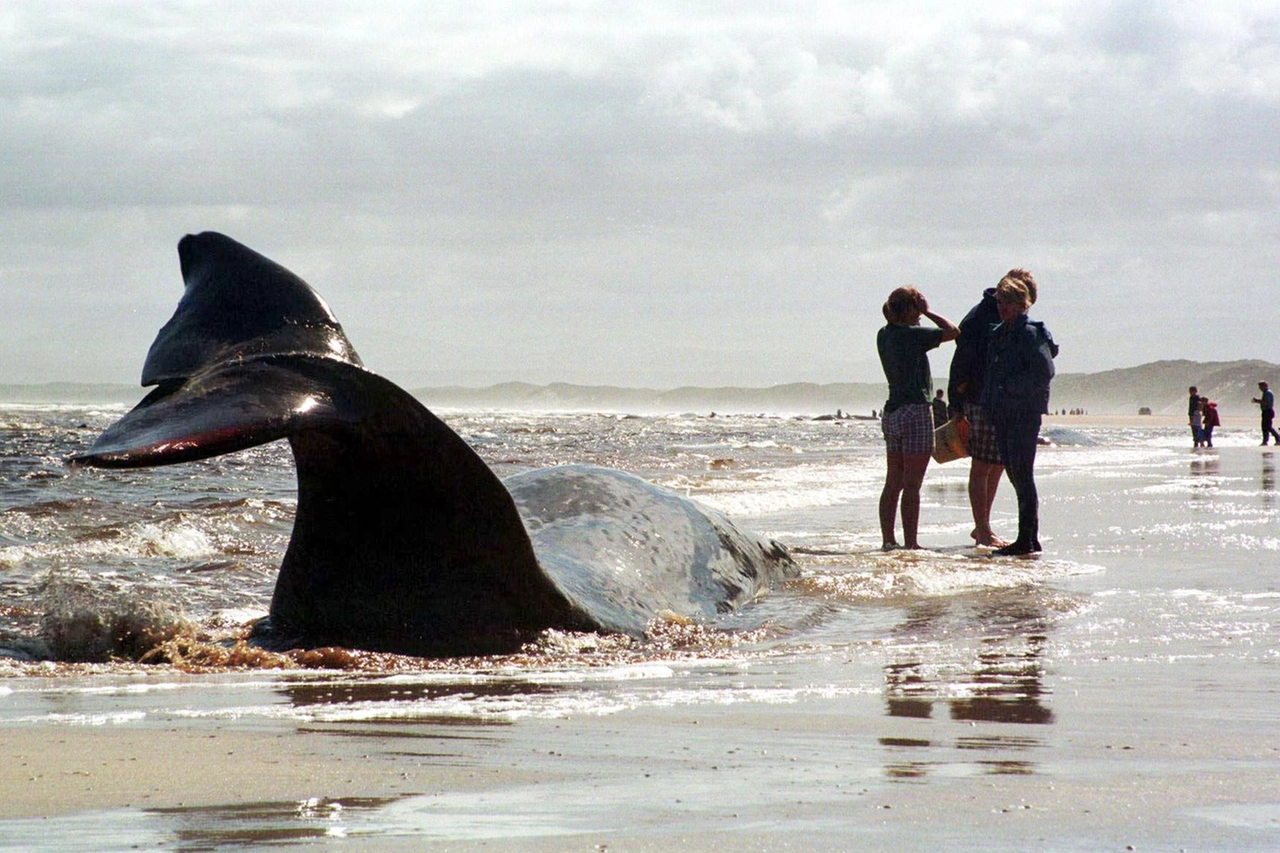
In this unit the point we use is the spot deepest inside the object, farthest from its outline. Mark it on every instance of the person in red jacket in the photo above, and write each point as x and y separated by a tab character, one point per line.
1210	419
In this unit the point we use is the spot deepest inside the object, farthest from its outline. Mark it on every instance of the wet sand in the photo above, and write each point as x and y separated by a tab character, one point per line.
1124	767
48	771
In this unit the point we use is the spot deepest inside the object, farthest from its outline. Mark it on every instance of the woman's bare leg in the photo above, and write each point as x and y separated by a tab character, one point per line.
984	479
889	500
913	468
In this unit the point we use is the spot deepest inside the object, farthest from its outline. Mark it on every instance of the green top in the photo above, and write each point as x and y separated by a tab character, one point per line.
906	366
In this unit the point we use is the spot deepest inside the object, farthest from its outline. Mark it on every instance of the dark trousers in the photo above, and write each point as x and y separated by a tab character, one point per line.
1268	418
1017	436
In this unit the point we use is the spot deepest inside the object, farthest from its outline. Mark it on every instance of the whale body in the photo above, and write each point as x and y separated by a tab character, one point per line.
404	540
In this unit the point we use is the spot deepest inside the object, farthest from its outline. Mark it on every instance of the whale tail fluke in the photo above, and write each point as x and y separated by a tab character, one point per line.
226	363
404	540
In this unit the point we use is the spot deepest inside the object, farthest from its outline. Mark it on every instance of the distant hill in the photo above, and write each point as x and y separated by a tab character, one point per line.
71	393
798	397
1160	386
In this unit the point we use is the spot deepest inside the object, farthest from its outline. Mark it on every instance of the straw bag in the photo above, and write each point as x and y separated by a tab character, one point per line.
951	441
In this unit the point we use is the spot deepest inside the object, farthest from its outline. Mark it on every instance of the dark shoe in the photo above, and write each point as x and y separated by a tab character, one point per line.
1017	549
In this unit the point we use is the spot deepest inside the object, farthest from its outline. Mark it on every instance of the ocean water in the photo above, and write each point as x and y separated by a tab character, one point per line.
1157	596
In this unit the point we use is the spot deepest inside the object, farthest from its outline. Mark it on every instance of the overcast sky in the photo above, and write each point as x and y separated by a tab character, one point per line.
651	193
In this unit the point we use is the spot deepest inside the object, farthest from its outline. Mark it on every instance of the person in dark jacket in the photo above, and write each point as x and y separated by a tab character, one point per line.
964	390
1193	407
1268	403
939	409
1015	394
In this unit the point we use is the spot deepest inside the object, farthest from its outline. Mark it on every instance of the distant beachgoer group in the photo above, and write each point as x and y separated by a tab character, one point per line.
1202	417
998	385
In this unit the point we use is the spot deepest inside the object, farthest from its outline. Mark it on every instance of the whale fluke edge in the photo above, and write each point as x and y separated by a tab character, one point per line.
404	540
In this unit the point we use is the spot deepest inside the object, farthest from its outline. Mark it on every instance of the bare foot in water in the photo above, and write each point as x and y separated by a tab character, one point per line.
989	540
890	546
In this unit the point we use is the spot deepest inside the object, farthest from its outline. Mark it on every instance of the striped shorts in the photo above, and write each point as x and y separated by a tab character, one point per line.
909	429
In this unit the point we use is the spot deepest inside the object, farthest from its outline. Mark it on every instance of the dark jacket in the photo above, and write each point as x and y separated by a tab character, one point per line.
969	363
1019	369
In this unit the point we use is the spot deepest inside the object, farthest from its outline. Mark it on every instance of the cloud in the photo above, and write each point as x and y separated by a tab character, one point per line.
471	183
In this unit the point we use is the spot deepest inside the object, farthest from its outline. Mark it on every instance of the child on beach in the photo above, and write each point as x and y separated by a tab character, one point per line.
1211	420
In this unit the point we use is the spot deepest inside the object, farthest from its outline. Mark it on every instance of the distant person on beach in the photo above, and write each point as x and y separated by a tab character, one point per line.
1016	395
907	419
1193	407
1196	416
964	390
1211	419
1268	403
939	410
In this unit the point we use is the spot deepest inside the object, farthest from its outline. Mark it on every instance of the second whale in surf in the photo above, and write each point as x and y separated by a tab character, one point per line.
404	540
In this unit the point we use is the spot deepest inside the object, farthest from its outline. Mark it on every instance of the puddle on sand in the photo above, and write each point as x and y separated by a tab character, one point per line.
249	825
242	826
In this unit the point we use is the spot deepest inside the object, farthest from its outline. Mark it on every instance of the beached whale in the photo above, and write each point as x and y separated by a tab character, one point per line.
404	539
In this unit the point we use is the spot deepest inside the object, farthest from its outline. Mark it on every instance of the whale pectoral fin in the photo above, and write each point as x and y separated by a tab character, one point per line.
229	408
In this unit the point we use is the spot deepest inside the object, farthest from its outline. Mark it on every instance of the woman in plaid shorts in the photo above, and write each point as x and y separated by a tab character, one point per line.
907	420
